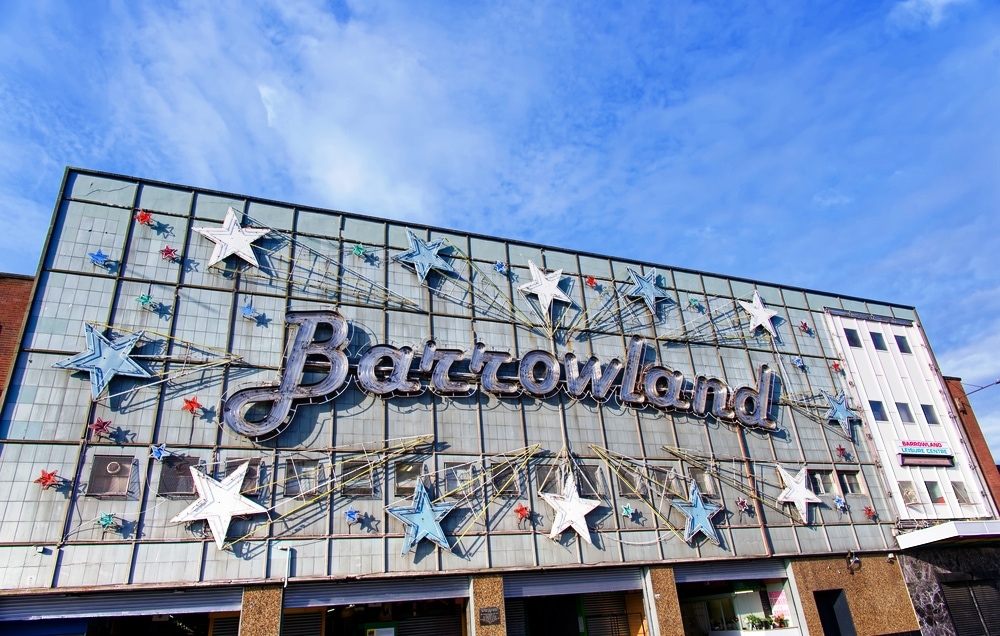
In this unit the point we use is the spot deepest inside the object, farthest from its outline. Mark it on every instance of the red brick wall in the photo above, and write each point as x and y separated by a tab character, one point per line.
15	293
977	442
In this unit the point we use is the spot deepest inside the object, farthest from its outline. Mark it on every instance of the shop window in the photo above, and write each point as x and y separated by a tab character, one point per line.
706	484
176	479
904	346
834	612
110	476
251	480
849	482
930	416
734	606
904	413
506	480
302	477
879	341
822	482
961	494
357	478
934	492
407	474
853	337
458	479
909	493
974	606
878	410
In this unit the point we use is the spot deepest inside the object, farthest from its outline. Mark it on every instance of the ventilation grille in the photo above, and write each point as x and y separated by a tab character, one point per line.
110	476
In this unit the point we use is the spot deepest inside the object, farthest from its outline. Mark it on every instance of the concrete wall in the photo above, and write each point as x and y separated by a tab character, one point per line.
876	593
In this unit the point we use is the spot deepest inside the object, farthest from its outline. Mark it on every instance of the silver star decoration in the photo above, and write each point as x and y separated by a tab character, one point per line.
545	286
571	509
840	412
645	287
422	519
760	316
424	256
232	238
104	359
218	502
797	493
699	515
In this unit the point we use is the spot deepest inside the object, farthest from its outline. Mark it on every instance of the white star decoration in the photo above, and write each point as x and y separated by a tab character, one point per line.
218	502
424	256
760	316
104	359
797	493
545	286
232	238
571	510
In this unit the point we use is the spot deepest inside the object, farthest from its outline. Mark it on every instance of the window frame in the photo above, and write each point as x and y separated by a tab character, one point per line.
878	341
182	465
823	479
401	488
903	345
879	410
361	470
935	492
914	497
962	493
905	413
705	481
296	465
853	337
844	480
933	420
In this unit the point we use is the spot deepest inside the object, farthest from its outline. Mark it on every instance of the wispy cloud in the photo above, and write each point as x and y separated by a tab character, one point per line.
919	13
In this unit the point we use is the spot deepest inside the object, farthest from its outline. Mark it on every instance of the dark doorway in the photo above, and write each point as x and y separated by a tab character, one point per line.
552	616
834	614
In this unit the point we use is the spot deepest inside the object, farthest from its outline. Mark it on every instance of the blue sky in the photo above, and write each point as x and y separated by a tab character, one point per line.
850	147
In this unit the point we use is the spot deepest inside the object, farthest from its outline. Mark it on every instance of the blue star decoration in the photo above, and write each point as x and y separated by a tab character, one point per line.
422	519
839	412
699	515
99	258
353	516
158	452
840	503
424	257
104	359
248	310
645	287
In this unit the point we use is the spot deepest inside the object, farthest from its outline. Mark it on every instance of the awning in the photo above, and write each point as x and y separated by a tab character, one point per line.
951	531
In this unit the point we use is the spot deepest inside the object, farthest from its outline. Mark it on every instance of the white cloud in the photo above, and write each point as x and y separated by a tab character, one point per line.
916	13
831	197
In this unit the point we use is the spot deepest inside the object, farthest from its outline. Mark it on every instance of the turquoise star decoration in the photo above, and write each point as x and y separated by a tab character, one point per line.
839	412
104	359
422	519
645	287
358	250
99	258
627	511
106	521
699	515
145	300
424	257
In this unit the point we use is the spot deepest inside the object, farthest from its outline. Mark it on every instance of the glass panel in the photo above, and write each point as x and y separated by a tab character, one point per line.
904	413
930	416
878	410
705	482
849	483
356	479
407	474
904	346
934	492
822	481
909	493
301	477
961	493
879	341
853	337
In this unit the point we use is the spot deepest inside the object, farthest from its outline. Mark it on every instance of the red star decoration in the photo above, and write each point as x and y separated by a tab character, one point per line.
591	282
870	512
144	218
804	327
841	451
48	479
523	514
101	427
191	404
168	253
836	367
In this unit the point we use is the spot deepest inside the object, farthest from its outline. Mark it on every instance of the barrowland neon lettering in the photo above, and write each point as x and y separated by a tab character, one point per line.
385	369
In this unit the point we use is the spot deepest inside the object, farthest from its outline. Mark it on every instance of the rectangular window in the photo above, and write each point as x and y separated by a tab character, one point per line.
929	414
631	484
904	346
909	493
822	481
302	477
849	482
176	479
357	478
407	474
878	410
666	482
879	341
706	485
459	479
590	482
506	480
961	493
251	480
109	476
934	492
904	413
853	337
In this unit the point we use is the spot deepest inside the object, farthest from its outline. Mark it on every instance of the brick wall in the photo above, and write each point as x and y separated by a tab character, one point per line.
15	293
974	434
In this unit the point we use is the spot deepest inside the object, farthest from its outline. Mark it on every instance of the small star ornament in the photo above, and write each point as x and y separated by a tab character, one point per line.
694	303
760	316
545	287
232	238
799	362
422	519
248	311
742	504
500	268
107	521
145	300
523	513
571	509
159	452
359	250
104	359
627	511
591	282
49	479
797	493
836	367
352	516
143	217
168	253
840	503
839	412
218	502
870	513
699	515
101	427
645	287
98	258
191	405
424	256
841	451
804	327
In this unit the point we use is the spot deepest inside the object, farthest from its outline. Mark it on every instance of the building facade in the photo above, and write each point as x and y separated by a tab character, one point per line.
229	415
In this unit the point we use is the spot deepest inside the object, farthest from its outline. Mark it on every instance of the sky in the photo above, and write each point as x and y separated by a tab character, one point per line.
849	147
